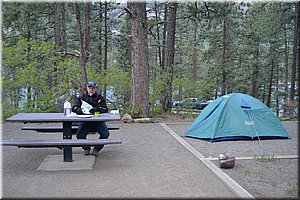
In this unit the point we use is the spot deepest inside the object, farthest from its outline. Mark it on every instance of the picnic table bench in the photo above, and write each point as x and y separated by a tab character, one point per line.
59	143
55	129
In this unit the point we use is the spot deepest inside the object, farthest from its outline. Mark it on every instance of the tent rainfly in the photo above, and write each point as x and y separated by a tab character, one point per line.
236	116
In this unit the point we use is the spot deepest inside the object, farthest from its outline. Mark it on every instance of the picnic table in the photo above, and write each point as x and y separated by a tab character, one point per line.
67	131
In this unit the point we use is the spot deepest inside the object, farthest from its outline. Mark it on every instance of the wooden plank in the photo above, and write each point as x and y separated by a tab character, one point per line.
46	128
59	117
59	143
59	128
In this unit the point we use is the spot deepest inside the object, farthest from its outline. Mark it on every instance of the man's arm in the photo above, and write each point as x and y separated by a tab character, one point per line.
101	106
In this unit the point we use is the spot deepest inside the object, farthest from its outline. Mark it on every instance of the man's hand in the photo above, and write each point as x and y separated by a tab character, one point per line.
93	110
79	111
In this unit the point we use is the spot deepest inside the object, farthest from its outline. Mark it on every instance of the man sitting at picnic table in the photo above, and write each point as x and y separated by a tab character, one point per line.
96	103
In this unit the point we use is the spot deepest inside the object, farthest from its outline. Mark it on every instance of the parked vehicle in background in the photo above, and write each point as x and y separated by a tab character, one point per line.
193	103
176	103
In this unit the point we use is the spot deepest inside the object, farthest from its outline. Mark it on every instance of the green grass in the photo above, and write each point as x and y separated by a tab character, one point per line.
265	157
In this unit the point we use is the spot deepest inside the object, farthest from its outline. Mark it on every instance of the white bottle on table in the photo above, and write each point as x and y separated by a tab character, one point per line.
67	108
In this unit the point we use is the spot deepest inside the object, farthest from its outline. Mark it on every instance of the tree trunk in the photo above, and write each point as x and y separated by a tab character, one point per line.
57	28
57	45
294	61
277	91
105	45
64	29
100	64
286	72
159	56
194	56
84	41
224	63
164	41
139	59
272	50
255	70
180	61
127	93
168	60
291	103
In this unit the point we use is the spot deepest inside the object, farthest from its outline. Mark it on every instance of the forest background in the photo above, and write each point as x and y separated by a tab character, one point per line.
146	55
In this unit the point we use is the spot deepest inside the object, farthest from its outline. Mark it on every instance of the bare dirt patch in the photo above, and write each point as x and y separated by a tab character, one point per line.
263	177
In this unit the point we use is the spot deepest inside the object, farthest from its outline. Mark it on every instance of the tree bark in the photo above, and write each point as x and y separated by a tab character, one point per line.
291	103
272	50
194	56
105	46
127	93
84	41
294	61
255	70
57	28
99	45
168	59
277	90
159	56
64	29
286	72
57	45
139	59
224	63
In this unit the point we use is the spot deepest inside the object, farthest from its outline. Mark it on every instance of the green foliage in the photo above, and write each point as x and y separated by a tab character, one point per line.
155	110
65	70
128	108
116	79
187	89
155	90
33	78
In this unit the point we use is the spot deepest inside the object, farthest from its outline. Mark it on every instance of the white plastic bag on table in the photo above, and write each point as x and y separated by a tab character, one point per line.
86	107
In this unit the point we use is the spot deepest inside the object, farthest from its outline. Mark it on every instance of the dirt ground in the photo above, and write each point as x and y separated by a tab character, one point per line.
264	177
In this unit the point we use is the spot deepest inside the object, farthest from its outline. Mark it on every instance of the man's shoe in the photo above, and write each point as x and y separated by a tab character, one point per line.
95	152
86	152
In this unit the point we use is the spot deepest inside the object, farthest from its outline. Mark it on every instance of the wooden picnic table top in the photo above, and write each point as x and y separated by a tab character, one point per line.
60	117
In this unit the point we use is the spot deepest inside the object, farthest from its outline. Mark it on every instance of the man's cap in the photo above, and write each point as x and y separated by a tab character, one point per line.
92	84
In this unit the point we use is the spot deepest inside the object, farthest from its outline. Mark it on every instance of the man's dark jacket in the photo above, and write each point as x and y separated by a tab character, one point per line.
97	101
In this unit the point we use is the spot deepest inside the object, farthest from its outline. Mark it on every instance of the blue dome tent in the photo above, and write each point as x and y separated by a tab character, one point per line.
236	116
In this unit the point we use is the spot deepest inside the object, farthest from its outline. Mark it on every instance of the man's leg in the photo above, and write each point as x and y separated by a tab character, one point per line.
82	133
102	129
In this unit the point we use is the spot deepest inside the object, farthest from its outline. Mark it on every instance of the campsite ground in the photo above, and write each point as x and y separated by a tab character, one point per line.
264	177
